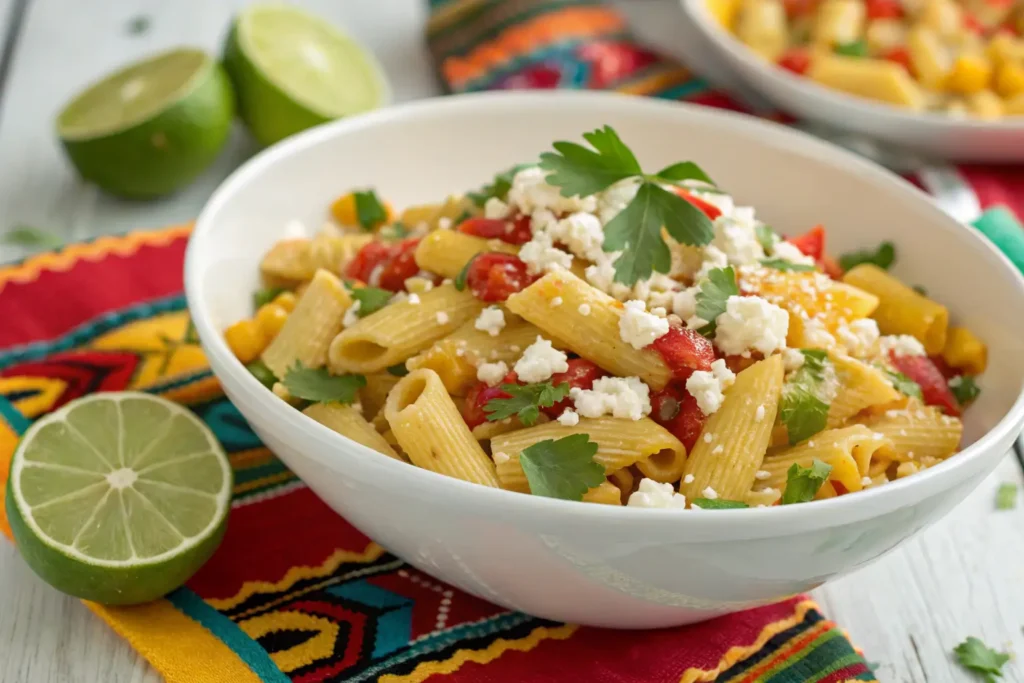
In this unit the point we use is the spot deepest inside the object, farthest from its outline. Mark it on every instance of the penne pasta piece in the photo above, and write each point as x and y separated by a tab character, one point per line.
838	22
901	310
400	330
606	493
861	386
849	451
431	216
620	443
624	481
287	263
310	328
347	421
765	497
876	79
375	393
430	430
446	252
918	431
488	430
666	467
733	442
965	352
593	334
334	251
761	24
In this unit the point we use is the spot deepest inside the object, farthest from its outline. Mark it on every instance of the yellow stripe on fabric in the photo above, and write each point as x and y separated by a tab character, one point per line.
8	442
489	654
278	478
450	13
175	645
740	652
656	82
252	457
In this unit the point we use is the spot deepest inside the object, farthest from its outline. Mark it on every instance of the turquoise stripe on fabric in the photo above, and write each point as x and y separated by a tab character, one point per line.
684	89
247	649
13	417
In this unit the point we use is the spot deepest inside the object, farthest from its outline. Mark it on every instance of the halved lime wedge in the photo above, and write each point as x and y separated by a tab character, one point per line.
293	70
118	497
152	127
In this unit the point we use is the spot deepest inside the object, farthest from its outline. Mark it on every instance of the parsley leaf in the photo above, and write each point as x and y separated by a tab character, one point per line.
320	386
802	410
854	48
685	170
1006	496
369	210
580	171
718	504
498	187
714	295
783	264
882	257
974	655
266	295
964	389
802	483
260	371
371	299
460	279
904	384
526	401
766	236
562	469
30	238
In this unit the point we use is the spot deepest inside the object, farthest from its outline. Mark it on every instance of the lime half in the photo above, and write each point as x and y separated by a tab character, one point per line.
152	127
292	71
118	498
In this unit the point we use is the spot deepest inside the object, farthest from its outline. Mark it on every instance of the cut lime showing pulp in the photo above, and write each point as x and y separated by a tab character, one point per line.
292	71
152	127
119	497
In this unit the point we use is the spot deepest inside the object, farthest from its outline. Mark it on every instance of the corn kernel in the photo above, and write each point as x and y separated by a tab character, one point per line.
971	73
985	105
1010	79
1005	48
286	300
246	340
271	318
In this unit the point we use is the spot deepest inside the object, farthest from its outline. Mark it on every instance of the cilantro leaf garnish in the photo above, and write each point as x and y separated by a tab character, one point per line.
882	257
974	655
637	229
802	483
369	210
1006	496
398	370
525	401
854	48
766	236
460	279
714	295
371	299
562	469
320	386
718	504
685	170
964	389
261	372
802	410
904	384
783	264
30	238
498	187
266	295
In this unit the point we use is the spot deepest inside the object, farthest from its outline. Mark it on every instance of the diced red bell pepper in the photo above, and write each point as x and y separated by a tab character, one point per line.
494	276
580	375
677	411
933	385
710	210
811	243
883	9
684	350
796	59
512	230
901	56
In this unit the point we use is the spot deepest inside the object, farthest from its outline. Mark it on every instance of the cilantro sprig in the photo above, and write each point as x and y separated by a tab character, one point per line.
562	469
261	372
498	188
714	295
637	229
525	401
767	237
371	299
460	279
319	386
370	212
974	655
964	389
718	504
883	257
904	384
803	483
783	264
802	409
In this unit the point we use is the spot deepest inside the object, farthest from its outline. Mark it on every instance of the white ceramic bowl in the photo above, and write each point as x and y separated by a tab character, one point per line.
725	61
595	564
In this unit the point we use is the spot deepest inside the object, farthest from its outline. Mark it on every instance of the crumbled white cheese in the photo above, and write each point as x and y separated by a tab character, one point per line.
494	208
539	361
787	251
817	336
584	309
759	413
709	437
718	449
737	241
352	314
414	299
684	303
750	322
688	479
615	198
500	458
444	223
625	397
441	318
492	373
541	255
761	475
713	258
708	387
900	345
638	328
530	191
556	302
710	493
866	482
792	360
581	233
491	320
569	418
374	279
859	337
651	494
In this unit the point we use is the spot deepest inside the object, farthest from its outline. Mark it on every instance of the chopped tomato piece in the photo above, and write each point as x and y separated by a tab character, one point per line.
972	24
479	395
513	231
796	59
495	277
677	411
400	267
884	9
831	267
940	363
811	243
684	350
933	385
710	210
901	56
369	257
799	8
580	375
840	489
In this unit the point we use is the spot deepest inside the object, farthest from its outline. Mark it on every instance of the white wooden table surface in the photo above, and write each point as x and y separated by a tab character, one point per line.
964	576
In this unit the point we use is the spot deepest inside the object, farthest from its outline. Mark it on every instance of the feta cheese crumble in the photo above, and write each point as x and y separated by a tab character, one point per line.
708	387
492	373
584	309
539	361
787	251
651	494
859	337
441	318
750	322
638	328
900	345
570	418
352	314
500	458
541	255
414	299
616	396
581	233
530	191
710	493
495	209
688	479
491	320
737	241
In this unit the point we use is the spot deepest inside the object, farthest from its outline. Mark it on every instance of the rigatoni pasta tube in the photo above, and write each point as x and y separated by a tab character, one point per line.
401	330
849	451
733	442
347	421
964	351
593	332
446	252
311	327
431	431
861	386
375	392
918	432
606	493
620	443
901	310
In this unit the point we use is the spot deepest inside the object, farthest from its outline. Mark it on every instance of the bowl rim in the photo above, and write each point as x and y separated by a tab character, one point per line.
419	481
806	88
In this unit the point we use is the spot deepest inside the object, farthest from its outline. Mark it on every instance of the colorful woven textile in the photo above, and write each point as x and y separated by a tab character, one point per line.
295	593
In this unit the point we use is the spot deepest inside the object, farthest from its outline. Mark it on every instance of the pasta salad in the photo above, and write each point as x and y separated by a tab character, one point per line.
583	329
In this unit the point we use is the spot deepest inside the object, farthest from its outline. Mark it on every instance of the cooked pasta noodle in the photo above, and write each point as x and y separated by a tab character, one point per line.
347	421
901	310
